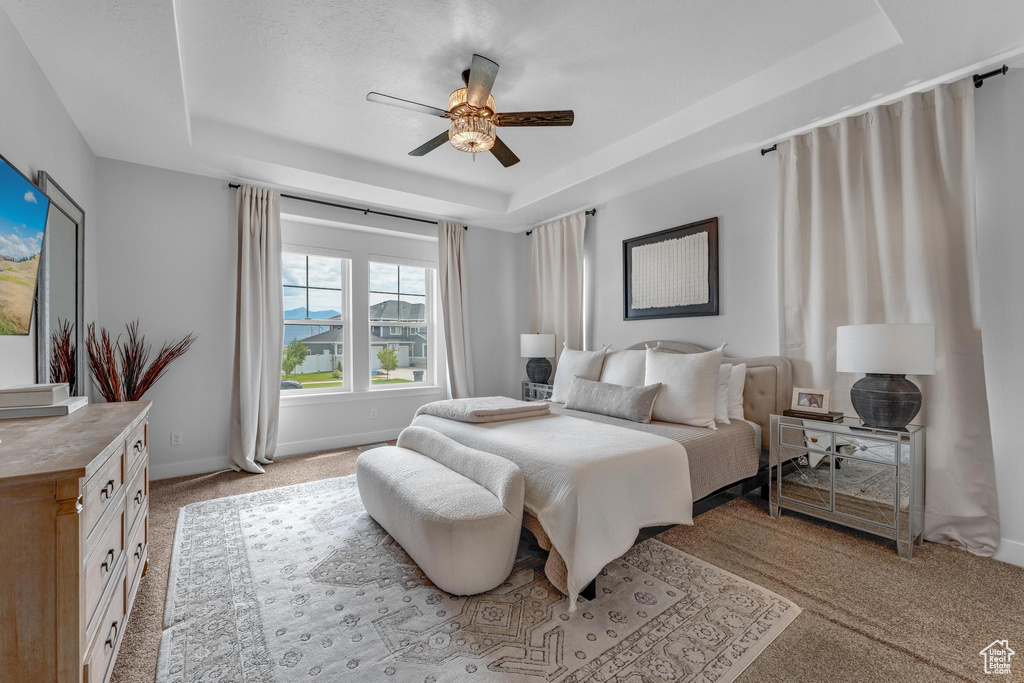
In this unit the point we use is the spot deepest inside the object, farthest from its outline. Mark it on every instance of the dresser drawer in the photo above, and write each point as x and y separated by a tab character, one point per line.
137	493
99	662
138	550
136	445
102	490
100	565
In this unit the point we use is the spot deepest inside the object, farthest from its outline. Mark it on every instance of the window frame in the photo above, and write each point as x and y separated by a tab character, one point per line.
429	322
343	322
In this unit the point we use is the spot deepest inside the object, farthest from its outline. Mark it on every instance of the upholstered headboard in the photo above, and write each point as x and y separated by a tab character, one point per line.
768	389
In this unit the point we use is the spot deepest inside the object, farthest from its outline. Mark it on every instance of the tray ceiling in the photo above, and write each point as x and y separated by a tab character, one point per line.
274	91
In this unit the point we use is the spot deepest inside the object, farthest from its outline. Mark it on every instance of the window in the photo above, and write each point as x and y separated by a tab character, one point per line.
314	285
400	324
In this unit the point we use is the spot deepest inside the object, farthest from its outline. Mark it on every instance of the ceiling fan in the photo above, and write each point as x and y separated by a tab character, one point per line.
474	117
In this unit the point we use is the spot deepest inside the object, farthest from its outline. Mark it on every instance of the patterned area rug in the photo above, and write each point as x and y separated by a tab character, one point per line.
300	584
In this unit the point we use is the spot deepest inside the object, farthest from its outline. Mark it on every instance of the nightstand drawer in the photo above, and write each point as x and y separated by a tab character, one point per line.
857	445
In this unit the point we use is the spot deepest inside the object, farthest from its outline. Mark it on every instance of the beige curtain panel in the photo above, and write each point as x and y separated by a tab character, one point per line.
453	277
259	331
877	225
556	280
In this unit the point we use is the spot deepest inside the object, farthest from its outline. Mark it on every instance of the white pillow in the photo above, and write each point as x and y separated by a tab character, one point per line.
689	382
585	364
625	368
736	383
722	394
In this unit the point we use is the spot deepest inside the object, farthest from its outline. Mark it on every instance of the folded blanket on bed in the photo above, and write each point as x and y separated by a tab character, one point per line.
484	409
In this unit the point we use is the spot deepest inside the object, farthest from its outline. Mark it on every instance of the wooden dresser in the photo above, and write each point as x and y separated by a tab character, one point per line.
74	527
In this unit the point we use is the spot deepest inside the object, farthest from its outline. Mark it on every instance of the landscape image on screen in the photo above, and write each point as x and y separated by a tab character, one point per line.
23	210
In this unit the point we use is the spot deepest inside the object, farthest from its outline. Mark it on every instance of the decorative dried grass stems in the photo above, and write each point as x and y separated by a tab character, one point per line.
63	352
130	378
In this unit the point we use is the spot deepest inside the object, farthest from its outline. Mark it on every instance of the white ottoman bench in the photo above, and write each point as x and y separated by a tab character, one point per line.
457	511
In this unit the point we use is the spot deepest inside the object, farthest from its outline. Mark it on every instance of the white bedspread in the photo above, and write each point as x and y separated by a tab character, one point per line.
592	486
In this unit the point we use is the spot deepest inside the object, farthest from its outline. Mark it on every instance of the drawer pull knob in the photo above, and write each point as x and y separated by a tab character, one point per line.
138	496
105	565
138	552
104	492
138	446
111	636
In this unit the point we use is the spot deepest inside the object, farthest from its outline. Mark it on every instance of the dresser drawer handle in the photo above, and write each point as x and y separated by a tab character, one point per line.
138	552
111	636
105	565
138	446
138	496
104	493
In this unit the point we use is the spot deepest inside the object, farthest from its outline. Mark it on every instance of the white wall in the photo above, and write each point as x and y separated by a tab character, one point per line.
493	304
37	134
166	255
741	192
1000	139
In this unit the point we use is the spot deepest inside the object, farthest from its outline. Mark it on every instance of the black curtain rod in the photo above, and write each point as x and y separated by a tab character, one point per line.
979	80
589	212
235	186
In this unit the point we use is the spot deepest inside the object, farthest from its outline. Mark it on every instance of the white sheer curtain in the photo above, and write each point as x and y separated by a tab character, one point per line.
453	276
877	224
255	396
556	280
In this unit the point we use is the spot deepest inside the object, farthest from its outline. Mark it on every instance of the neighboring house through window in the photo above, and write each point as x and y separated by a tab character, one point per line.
401	324
315	283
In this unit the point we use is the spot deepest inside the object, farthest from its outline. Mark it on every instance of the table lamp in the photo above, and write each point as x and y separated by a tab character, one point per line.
538	348
885	398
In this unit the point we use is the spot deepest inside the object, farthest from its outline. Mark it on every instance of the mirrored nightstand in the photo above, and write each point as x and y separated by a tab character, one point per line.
534	391
862	477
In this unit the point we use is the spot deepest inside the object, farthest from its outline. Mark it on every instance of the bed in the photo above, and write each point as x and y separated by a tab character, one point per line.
592	482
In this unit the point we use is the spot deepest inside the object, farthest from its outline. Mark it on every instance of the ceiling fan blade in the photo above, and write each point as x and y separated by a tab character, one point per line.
481	79
430	145
405	104
562	117
503	154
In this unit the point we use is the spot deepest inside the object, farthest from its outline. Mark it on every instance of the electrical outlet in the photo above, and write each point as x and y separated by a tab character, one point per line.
175	438
373	413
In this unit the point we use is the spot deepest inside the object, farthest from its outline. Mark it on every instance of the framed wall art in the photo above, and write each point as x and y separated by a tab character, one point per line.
672	273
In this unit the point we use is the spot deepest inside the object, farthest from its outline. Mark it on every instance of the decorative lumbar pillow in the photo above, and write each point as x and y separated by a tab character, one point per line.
625	368
722	394
689	386
737	380
614	400
585	364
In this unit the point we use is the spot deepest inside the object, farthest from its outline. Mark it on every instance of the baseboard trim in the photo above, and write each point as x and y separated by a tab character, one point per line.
1011	552
285	450
184	468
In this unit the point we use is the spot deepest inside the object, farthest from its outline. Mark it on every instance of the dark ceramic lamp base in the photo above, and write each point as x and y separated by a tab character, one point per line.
538	370
886	401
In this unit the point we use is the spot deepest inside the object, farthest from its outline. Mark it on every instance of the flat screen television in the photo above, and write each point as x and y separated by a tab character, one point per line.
23	212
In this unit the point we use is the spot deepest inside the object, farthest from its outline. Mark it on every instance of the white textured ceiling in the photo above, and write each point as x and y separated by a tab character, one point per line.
274	90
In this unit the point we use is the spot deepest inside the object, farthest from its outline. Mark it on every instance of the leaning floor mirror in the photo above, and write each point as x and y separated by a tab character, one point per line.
60	314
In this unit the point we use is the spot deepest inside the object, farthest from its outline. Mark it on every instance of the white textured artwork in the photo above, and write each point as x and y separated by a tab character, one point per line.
670	273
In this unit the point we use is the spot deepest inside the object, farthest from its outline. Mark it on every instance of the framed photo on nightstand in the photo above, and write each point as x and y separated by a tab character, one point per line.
811	400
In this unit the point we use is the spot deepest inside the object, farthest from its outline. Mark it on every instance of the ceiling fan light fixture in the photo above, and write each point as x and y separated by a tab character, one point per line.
471	134
459	106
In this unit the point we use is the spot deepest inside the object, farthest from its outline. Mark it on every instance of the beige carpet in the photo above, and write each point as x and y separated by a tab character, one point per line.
867	615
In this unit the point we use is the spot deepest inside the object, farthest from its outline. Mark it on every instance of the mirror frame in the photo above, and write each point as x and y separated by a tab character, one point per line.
76	214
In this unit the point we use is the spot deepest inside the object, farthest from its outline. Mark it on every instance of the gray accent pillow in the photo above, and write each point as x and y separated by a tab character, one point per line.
613	400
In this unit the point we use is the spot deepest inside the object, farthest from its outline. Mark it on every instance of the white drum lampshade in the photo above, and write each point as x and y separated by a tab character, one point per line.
537	345
887	353
886	349
538	348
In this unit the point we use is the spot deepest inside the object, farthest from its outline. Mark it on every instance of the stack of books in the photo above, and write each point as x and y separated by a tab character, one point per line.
38	400
831	416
